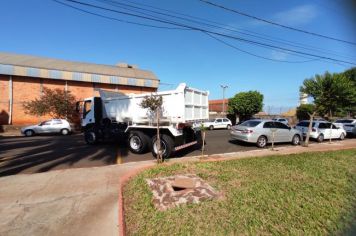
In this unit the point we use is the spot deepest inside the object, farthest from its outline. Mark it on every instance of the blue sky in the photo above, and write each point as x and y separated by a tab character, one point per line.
46	28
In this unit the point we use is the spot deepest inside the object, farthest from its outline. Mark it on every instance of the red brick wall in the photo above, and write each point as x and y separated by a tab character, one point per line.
28	88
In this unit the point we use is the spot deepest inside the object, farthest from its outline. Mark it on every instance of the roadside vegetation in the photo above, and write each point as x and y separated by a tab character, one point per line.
301	194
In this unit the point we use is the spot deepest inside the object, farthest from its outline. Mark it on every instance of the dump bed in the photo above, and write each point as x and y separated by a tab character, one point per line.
181	105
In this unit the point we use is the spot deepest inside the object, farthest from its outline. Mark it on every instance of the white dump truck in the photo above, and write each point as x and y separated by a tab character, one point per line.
118	115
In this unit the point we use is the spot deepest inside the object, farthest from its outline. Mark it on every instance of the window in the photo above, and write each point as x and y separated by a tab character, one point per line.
324	126
303	124
251	123
87	107
226	120
47	122
219	120
268	125
280	125
344	121
57	122
333	127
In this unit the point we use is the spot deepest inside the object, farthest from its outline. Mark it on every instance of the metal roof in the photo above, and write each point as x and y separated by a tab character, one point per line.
109	73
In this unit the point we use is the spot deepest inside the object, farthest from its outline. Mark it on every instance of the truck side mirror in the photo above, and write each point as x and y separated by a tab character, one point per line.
77	106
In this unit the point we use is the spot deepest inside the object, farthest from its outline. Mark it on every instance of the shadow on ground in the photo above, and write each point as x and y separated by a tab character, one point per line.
40	154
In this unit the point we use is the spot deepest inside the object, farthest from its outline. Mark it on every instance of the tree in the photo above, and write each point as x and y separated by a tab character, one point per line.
56	103
351	75
304	110
246	104
331	92
154	104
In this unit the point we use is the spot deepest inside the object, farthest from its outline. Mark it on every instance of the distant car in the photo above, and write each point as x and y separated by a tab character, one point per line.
321	130
349	125
282	120
59	126
218	123
260	132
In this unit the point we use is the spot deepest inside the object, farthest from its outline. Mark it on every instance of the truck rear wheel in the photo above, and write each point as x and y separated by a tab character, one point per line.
90	137
138	142
167	146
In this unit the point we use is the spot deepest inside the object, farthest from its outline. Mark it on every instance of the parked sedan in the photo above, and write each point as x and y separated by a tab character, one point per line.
321	130
46	127
349	125
261	132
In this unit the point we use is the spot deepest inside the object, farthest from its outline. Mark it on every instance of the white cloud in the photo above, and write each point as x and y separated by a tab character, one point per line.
296	16
278	55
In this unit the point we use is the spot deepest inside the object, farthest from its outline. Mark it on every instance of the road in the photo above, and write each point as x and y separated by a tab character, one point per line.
45	153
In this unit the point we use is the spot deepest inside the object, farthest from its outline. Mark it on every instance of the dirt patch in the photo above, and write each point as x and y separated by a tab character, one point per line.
166	196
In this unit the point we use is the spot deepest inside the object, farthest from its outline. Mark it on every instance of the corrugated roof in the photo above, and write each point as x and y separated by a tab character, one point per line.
62	65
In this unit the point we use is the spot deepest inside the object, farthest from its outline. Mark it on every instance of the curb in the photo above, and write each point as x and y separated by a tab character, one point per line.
209	158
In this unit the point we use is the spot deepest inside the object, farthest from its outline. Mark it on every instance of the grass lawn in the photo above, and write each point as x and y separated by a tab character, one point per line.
304	194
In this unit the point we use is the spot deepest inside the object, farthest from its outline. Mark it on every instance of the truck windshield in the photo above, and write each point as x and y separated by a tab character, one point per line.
86	108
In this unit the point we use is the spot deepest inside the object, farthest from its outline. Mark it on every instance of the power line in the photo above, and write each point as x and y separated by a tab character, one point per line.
214	25
215	33
116	19
255	55
276	24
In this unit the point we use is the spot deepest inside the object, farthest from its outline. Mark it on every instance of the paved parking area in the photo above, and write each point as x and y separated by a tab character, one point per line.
44	153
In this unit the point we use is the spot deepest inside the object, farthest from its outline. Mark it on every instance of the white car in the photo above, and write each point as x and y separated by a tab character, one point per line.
321	130
349	125
282	120
218	123
60	126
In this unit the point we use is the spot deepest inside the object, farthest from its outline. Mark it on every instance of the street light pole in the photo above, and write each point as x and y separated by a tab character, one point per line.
223	87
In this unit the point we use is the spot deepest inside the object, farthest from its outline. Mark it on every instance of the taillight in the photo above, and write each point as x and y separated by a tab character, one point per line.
313	130
181	126
247	131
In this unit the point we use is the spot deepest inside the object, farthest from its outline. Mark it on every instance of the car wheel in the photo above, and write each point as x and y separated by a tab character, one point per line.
342	136
138	142
64	131
228	127
261	142
296	139
167	146
29	133
320	138
211	127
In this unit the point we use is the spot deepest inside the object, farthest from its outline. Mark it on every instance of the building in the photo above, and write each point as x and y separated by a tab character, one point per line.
23	77
216	106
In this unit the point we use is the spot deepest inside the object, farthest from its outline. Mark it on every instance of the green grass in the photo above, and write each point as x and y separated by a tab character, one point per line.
304	194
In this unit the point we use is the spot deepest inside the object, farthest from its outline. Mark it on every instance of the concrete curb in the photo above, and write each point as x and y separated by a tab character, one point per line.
281	151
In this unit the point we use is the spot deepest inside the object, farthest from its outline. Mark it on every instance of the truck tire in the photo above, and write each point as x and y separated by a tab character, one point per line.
167	146
138	142
90	137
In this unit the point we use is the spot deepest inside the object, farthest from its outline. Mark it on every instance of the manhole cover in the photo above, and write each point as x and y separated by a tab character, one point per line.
172	191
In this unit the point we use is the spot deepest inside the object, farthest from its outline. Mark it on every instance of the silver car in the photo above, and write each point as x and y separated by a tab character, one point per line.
261	132
46	127
349	125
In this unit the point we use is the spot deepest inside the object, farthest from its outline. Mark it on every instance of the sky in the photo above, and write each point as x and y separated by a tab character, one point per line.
47	28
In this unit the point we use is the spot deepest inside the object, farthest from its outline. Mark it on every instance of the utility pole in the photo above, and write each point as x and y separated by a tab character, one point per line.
223	87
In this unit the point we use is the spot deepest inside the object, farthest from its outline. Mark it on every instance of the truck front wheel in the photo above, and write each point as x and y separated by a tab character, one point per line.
90	137
138	142
167	146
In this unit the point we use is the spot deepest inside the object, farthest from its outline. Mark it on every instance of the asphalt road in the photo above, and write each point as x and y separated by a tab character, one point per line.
45	153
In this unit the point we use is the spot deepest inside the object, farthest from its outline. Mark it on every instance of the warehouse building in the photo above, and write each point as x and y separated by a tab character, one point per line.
23	77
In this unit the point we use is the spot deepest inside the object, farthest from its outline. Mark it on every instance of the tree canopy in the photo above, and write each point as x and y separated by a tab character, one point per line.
246	104
56	103
332	93
304	110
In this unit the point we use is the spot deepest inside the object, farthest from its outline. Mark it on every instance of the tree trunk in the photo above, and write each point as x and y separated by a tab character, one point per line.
203	140
306	143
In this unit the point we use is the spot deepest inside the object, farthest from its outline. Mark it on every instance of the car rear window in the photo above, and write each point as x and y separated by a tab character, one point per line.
305	124
251	123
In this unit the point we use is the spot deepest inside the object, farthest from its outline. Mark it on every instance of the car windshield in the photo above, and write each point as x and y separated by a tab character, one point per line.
344	121
305	124
251	123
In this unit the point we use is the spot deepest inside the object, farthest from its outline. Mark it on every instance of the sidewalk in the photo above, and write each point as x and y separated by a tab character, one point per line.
85	201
